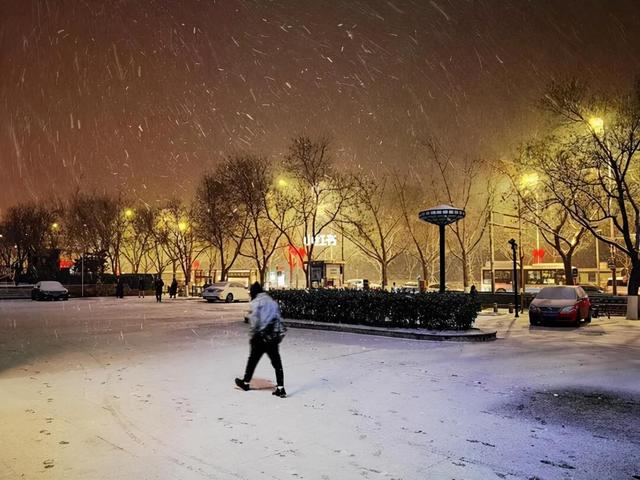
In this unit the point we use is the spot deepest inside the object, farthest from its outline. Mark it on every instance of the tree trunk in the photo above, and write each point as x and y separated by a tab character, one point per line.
632	290
384	279
568	277
425	272
465	270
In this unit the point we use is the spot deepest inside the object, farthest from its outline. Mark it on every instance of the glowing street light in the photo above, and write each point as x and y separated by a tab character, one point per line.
128	213
597	124
282	183
55	226
183	226
529	180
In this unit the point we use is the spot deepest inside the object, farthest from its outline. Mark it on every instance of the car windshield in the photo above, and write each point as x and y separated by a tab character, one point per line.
50	285
557	293
219	285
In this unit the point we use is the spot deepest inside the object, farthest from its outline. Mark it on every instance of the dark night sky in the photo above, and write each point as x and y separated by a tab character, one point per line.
144	95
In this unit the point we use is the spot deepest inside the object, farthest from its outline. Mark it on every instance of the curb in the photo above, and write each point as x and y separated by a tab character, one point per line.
472	335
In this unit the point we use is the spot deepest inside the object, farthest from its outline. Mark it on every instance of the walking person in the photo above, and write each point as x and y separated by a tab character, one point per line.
173	288
266	331
158	284
140	287
119	288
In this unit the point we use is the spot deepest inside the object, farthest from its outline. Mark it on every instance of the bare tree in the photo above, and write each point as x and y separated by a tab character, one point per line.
373	223
97	223
26	231
138	236
466	185
156	256
539	207
594	166
250	179
424	239
314	194
221	223
177	227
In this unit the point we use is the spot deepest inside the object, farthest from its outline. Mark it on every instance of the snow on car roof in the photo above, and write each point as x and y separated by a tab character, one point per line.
50	284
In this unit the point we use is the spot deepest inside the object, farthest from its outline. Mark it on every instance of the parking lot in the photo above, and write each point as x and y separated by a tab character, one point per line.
122	389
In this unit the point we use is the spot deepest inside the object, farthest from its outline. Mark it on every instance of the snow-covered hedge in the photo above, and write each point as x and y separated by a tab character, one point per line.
437	311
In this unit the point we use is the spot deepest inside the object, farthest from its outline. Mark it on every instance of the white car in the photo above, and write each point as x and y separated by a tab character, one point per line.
226	291
621	286
49	290
354	284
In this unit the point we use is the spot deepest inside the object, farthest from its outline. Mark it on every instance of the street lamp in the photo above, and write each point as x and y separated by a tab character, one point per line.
442	215
128	213
597	125
514	248
529	181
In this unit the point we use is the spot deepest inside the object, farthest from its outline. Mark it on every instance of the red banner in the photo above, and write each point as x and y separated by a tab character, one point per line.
294	254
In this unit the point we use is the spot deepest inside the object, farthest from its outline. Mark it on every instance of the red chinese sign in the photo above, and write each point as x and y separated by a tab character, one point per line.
538	255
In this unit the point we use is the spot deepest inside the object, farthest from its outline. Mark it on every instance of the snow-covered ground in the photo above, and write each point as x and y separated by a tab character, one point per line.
131	389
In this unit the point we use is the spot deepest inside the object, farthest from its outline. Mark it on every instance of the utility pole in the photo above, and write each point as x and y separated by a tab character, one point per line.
516	303
82	275
492	257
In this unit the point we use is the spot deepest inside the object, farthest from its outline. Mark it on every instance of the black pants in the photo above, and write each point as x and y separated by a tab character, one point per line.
258	347
158	295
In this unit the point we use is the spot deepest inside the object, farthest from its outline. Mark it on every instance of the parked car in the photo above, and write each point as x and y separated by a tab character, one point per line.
410	287
593	289
568	304
226	291
435	287
358	284
49	290
621	285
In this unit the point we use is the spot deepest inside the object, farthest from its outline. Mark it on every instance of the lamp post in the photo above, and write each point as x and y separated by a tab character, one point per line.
529	182
597	126
514	248
442	215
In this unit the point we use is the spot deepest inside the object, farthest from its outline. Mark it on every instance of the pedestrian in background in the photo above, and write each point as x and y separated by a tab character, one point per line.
119	288
158	284
140	287
173	288
266	331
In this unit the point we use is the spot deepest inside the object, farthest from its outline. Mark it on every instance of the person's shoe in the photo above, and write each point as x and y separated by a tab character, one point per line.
242	384
280	392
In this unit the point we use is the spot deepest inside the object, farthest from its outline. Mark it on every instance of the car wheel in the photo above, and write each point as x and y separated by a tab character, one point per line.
588	319
501	290
229	298
209	300
577	322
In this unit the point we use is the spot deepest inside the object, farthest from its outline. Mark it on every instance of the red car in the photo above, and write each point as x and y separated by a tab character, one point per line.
566	304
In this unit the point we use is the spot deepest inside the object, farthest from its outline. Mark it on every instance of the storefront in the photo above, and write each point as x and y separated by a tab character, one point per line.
327	274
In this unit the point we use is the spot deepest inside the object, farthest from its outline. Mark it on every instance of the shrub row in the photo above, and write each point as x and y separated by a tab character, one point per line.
434	311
